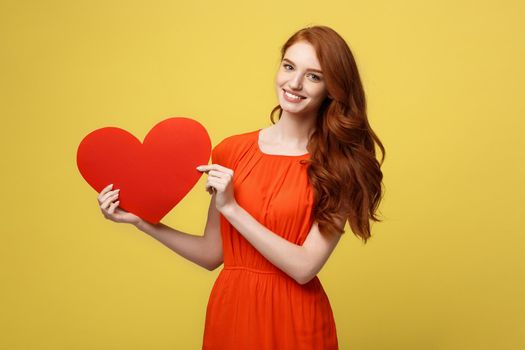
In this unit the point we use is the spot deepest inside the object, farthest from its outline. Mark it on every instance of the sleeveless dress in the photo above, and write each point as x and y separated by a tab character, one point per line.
253	304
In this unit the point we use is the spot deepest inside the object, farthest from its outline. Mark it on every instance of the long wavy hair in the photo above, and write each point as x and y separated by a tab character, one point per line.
343	169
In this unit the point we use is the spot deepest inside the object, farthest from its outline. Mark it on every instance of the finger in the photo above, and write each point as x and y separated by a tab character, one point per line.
103	192
219	174
217	184
202	168
106	189
112	207
212	190
108	201
209	188
104	198
218	180
207	168
109	194
213	173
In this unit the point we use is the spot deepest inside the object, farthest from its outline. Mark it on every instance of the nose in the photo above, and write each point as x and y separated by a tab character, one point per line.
296	82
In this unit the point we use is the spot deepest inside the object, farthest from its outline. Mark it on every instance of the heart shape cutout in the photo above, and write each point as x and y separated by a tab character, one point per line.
153	176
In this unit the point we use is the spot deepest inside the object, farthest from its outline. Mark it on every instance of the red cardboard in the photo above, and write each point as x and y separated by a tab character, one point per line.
153	176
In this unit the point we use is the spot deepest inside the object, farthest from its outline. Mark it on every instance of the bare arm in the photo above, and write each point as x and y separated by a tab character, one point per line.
302	263
205	251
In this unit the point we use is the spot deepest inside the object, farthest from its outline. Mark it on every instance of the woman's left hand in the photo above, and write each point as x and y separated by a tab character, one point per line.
220	184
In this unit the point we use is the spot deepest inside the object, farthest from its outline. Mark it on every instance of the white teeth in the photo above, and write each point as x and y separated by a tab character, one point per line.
292	96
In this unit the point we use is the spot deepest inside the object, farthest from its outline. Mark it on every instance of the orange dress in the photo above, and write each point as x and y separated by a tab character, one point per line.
254	305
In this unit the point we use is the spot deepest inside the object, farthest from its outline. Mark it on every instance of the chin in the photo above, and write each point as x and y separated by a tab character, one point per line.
293	110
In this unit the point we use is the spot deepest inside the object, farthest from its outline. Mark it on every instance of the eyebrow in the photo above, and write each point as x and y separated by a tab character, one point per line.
314	70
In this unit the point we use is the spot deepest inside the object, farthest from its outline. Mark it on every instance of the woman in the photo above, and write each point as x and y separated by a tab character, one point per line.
280	199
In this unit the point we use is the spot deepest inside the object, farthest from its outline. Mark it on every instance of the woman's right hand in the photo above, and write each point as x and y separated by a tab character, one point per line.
110	209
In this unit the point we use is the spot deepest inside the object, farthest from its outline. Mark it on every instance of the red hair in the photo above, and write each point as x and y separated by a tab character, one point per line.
343	169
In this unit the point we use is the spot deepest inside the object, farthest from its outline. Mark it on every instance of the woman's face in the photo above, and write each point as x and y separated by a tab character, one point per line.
299	74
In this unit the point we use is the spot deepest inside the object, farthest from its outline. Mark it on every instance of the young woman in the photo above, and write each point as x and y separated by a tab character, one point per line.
280	198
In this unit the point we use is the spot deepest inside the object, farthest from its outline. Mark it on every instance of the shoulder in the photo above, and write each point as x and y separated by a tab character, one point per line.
232	147
236	140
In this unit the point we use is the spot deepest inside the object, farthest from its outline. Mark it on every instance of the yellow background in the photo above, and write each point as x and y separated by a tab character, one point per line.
444	82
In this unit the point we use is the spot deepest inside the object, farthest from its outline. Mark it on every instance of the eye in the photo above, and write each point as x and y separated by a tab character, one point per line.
317	78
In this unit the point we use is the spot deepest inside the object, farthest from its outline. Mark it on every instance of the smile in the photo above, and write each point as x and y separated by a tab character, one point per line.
291	97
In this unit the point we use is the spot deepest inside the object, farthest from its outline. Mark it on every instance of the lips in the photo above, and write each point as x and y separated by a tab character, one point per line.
294	94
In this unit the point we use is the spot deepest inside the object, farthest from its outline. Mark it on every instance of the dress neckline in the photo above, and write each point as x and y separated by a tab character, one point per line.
257	134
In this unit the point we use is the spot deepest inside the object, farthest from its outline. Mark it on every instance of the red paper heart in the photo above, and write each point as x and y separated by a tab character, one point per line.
152	176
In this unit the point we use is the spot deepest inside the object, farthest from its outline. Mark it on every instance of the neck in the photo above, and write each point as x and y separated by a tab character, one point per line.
294	130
